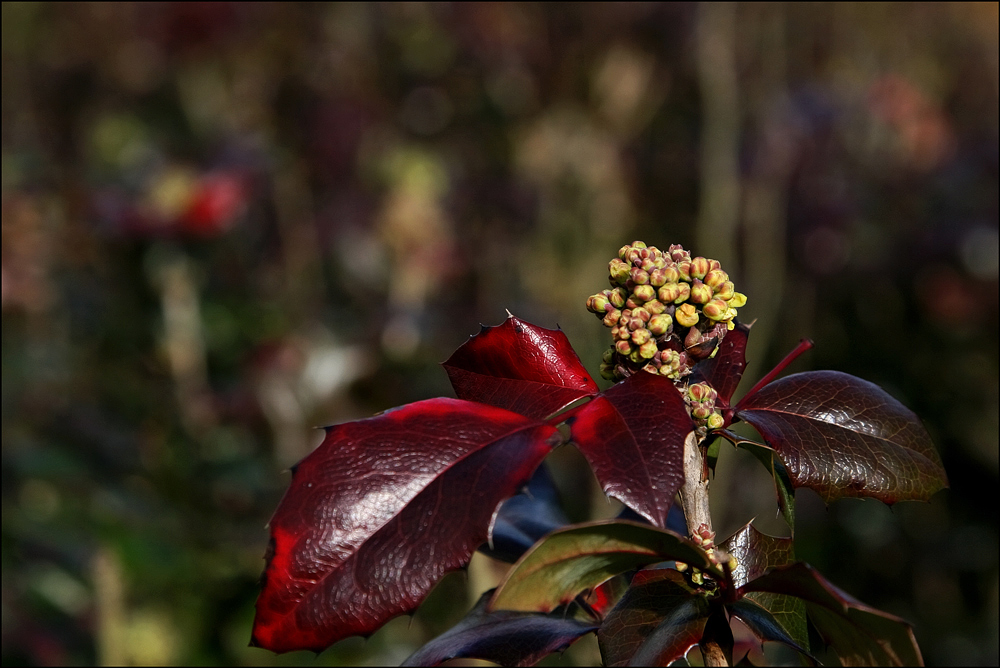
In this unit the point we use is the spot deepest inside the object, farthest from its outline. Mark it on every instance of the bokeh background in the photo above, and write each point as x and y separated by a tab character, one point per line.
225	225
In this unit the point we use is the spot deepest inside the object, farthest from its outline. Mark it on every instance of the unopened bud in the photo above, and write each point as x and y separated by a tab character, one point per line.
733	564
702	392
642	314
596	303
611	317
715	421
725	291
697	577
699	267
700	293
678	254
643	293
617	297
669	293
631	303
738	299
639	276
609	356
619	271
634	356
684	269
608	371
715	278
624	333
641	336
701	411
648	265
657	277
622	251
654	307
715	310
671	273
686	315
680	566
623	347
660	324
638	244
693	337
648	350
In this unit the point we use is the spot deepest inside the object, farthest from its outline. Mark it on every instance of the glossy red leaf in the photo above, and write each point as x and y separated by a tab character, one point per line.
724	371
381	510
658	620
843	436
860	634
504	637
521	367
633	436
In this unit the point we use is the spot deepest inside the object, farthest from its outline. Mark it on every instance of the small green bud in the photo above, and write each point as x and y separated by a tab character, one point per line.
699	267
596	304
639	276
700	293
660	324
641	336
608	371
654	307
648	350
715	310
623	347
609	356
684	269
634	356
658	277
738	299
702	392
686	315
643	293
733	564
623	251
725	291
638	244
648	265
617	297
716	421
619	271
697	577
715	278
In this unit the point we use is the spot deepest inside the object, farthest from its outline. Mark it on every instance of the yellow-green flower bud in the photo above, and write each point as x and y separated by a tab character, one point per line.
609	356
725	291
623	347
669	293
639	276
634	356
619	271
658	277
638	244
680	566
733	564
677	253
715	421
642	314
715	310
643	293
623	251
647	350
715	278
671	273
612	317
737	300
617	297
700	293
596	304
702	392
660	324
654	307
686	315
699	267
624	333
684	269
641	336
648	265
608	371
701	411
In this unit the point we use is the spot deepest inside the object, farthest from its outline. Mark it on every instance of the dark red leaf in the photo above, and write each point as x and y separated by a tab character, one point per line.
521	367
860	634
633	436
843	436
764	625
724	371
657	621
385	507
504	637
756	553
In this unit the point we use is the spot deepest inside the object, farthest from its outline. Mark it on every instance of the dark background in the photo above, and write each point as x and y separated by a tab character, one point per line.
224	225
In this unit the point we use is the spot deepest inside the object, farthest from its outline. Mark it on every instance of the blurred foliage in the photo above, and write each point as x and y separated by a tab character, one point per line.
224	225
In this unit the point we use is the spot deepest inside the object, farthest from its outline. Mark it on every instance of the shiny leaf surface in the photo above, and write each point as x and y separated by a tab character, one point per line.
521	367
525	517
755	554
381	510
573	560
504	637
843	436
765	625
858	633
658	620
633	436
724	371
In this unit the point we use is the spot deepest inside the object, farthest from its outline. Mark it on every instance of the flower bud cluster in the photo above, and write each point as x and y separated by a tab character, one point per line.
700	399
663	309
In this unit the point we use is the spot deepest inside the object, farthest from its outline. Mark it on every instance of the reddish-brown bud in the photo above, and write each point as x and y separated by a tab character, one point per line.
715	278
699	267
648	350
715	310
684	269
639	276
700	293
611	317
641	336
643	293
660	324
654	307
623	347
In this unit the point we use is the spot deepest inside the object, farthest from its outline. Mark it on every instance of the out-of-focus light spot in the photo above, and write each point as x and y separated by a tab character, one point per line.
826	250
980	251
513	89
947	297
63	591
39	499
426	110
401	336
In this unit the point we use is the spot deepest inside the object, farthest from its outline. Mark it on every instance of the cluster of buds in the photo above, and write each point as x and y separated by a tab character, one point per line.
705	539
666	310
700	399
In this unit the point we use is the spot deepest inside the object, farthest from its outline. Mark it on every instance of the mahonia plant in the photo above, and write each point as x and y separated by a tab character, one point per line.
386	506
